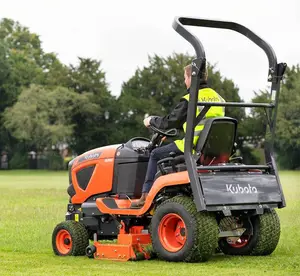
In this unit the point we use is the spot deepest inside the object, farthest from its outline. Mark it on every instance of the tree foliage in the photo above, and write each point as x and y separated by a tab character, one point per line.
288	122
22	63
93	127
287	142
42	117
44	102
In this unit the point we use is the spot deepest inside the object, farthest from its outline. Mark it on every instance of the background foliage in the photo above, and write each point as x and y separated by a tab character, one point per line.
45	104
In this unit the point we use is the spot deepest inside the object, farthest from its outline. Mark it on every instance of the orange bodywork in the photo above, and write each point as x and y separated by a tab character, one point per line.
102	177
128	245
179	178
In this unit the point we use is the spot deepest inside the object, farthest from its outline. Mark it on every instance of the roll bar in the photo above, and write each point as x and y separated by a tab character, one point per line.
179	23
275	74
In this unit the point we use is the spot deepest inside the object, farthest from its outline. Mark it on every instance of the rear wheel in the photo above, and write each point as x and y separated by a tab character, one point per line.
266	234
70	238
180	233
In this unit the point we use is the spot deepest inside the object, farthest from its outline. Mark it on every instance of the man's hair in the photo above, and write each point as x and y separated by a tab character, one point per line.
188	70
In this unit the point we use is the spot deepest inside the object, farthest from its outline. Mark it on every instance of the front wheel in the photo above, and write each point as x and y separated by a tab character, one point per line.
70	238
180	233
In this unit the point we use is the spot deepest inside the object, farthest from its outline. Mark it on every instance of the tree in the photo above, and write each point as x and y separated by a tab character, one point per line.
22	62
288	123
287	142
23	55
25	63
42	117
93	127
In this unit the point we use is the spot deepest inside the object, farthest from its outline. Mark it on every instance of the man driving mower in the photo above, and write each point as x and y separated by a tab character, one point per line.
177	119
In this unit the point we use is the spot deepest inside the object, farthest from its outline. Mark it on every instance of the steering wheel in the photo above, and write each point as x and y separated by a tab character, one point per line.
169	133
158	134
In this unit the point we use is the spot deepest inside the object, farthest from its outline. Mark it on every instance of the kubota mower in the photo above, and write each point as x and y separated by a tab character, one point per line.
200	201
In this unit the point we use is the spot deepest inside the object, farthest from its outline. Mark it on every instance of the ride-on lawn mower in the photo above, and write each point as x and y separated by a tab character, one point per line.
200	201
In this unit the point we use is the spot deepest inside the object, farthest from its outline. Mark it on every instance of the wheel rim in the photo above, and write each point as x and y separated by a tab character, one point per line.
172	232
241	242
63	241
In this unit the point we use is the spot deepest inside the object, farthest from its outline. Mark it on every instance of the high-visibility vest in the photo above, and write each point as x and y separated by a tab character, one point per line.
204	95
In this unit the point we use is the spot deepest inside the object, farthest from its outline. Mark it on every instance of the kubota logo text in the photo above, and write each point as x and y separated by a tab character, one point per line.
91	156
237	189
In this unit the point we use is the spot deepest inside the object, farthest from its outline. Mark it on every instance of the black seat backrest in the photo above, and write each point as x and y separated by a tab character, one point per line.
217	139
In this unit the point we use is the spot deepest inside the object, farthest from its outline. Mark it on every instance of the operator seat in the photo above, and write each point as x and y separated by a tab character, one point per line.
215	145
216	142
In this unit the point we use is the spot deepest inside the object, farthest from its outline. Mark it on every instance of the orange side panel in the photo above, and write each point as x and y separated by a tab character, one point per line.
179	178
102	177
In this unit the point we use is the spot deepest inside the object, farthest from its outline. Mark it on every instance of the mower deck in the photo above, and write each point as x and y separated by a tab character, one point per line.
132	246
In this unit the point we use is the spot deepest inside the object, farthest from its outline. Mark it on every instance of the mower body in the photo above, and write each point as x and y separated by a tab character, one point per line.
200	201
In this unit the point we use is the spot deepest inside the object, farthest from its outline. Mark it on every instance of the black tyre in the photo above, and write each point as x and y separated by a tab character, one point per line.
90	251
266	234
180	233
70	238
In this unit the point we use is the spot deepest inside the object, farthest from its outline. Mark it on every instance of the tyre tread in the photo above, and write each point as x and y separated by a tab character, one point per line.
269	233
79	235
206	237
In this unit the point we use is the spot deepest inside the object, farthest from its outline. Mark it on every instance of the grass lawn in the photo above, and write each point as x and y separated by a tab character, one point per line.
32	203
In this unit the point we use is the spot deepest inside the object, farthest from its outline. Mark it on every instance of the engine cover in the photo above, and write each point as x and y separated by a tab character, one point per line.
92	173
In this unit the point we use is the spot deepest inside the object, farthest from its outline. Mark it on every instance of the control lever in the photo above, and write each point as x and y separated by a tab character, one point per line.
169	161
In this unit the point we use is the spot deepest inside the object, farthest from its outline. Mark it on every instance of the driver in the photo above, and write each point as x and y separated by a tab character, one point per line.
177	119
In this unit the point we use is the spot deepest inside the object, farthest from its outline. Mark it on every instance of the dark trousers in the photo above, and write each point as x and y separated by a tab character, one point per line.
155	156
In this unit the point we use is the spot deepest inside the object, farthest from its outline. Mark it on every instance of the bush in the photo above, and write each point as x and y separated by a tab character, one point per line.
19	160
66	161
250	157
289	159
55	161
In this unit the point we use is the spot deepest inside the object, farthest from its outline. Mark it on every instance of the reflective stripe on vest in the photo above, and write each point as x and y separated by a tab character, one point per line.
204	95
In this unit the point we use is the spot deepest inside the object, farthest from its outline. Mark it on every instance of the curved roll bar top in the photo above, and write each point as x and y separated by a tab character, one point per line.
179	22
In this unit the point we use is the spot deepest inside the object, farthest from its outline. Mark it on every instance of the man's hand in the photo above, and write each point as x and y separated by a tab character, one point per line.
147	121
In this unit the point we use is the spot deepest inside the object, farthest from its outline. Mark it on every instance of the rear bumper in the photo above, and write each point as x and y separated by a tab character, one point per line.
253	208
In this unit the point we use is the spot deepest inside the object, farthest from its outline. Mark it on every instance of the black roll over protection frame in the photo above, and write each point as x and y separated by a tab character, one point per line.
275	75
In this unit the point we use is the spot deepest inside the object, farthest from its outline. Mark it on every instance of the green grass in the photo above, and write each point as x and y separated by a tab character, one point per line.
32	203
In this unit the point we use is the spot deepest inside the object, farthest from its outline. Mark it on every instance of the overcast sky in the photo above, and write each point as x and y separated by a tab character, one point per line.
123	33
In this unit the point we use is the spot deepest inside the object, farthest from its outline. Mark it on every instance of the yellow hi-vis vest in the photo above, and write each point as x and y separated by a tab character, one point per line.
204	95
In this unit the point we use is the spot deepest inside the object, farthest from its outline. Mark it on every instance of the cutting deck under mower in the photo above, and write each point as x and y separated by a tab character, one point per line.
200	201
132	246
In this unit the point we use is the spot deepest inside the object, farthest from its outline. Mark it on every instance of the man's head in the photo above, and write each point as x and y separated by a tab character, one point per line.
188	75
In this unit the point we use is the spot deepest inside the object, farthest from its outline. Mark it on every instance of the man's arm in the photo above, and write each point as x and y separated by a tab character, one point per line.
174	120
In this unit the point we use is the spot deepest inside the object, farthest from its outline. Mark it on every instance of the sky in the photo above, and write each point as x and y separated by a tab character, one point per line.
122	34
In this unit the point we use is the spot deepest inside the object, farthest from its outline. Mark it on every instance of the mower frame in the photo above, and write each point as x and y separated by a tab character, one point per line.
275	75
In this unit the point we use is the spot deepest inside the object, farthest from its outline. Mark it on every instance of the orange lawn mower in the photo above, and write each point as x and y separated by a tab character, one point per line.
201	201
